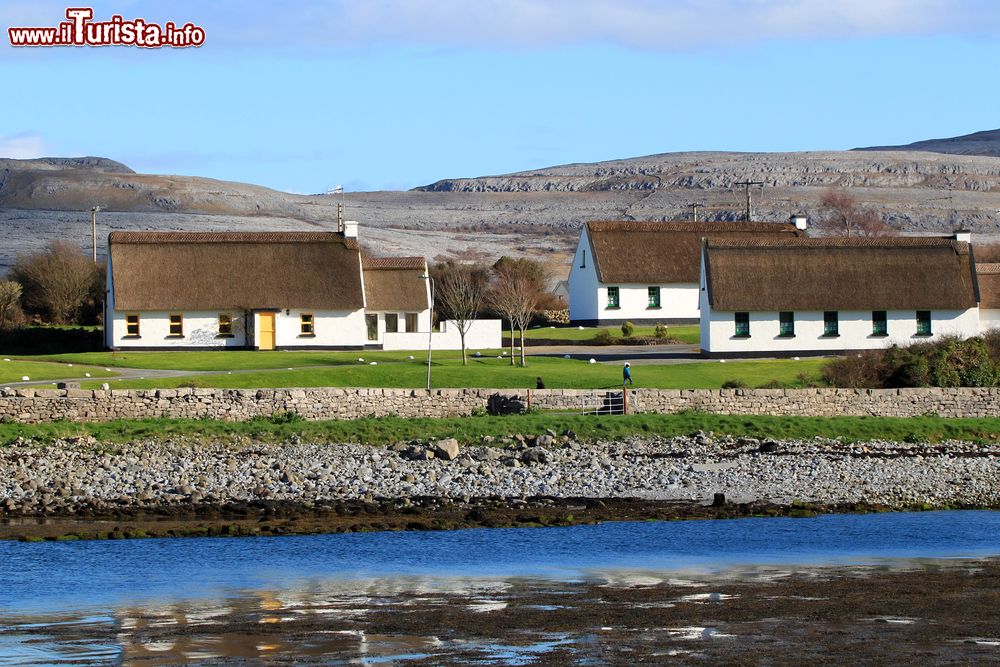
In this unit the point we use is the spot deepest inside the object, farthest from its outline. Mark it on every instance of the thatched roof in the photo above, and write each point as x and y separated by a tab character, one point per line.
840	274
235	270
395	283
664	252
988	276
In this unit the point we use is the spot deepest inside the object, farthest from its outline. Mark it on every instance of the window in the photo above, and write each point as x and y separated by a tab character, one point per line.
307	325
371	322
786	324
583	260
613	298
923	323
742	325
225	325
652	297
411	321
132	325
391	323
880	324
831	323
176	326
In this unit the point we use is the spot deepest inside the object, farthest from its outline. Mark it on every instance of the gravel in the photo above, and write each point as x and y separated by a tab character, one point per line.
81	474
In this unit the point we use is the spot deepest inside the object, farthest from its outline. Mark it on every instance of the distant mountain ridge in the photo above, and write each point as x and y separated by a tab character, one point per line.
946	184
986	143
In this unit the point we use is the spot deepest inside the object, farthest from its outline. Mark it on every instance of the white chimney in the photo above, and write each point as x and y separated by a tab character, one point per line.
800	220
350	229
963	235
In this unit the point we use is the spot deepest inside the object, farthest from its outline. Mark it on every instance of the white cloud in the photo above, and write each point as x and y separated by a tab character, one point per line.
22	146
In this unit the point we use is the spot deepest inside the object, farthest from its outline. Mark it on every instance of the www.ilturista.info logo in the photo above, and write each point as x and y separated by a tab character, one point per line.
81	30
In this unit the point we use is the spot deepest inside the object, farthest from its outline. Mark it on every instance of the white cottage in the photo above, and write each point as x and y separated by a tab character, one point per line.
798	296
254	290
270	290
398	299
647	272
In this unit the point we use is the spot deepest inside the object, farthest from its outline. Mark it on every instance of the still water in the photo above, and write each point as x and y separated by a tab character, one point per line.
82	602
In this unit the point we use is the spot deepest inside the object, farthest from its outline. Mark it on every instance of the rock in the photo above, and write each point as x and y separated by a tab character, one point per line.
417	453
768	447
535	455
446	449
544	440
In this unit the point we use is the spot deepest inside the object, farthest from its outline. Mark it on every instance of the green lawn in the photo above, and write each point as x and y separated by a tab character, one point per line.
688	333
233	360
471	429
492	372
15	370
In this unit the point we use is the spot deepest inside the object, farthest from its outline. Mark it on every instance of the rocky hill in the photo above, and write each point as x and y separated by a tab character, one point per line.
534	212
986	142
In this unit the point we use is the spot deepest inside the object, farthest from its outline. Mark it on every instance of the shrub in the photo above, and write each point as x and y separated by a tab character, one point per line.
660	331
772	384
949	362
734	384
604	337
11	315
288	417
628	329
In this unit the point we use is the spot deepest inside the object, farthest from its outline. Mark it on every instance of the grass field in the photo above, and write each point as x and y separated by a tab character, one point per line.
15	370
688	333
471	429
557	373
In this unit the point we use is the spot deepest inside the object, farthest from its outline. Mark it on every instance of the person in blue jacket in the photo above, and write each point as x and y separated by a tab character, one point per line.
626	374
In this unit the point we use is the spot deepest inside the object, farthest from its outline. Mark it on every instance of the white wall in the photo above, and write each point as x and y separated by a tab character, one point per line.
482	335
333	328
583	283
989	318
679	300
855	331
423	324
201	329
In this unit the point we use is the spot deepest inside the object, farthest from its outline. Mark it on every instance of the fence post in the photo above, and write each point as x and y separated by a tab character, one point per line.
529	400
624	400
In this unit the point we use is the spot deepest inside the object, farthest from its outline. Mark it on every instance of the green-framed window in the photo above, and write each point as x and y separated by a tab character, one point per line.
652	297
880	323
924	323
614	298
786	324
831	323
742	321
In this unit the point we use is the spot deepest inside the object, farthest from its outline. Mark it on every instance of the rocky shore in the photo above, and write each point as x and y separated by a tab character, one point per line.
83	478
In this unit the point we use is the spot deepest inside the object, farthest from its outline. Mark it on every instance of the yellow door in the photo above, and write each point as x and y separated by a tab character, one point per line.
266	331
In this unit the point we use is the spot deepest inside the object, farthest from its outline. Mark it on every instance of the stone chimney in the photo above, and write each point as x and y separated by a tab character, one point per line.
963	235
350	229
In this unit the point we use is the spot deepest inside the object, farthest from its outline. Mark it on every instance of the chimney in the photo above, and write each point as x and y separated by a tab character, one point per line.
963	235
800	220
350	229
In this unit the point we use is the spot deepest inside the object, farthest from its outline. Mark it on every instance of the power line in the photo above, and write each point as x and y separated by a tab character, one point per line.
747	184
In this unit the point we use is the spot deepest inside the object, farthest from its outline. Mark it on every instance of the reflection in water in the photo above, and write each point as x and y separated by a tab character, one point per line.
506	596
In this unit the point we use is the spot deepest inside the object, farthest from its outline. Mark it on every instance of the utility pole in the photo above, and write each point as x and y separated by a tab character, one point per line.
93	229
694	211
747	184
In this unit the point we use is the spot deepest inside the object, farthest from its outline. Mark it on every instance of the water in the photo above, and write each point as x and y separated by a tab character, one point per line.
92	586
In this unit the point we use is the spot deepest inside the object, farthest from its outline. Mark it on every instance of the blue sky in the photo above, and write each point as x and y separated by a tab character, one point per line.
383	94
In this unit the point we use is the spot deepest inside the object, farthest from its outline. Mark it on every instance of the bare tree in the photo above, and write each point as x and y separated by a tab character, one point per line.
518	286
57	281
459	292
11	315
842	215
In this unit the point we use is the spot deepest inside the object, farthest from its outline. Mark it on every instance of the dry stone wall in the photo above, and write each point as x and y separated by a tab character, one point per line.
27	405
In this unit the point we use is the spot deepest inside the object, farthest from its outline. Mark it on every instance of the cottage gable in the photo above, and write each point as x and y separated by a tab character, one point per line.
395	284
